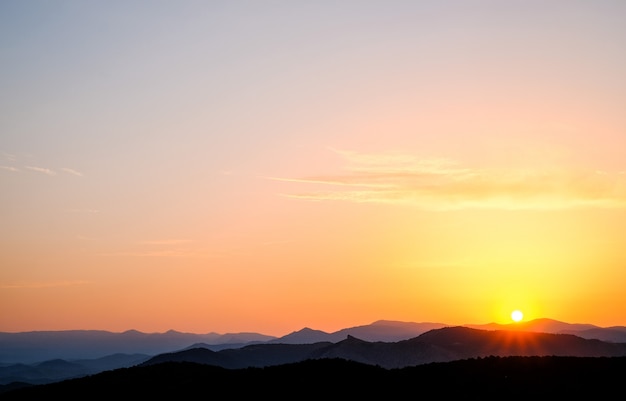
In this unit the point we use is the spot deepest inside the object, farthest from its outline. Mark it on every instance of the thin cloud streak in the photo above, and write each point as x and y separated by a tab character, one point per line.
9	168
72	171
42	170
440	184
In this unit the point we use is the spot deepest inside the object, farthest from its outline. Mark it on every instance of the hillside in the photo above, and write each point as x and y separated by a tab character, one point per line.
487	378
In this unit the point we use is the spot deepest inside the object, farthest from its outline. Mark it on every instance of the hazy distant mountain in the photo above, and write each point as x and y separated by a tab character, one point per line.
381	330
38	346
438	345
389	330
307	336
612	334
60	369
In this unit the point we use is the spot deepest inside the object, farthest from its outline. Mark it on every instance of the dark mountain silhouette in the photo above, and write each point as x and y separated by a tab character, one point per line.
439	345
590	331
256	355
114	361
466	342
381	330
537	325
480	378
217	347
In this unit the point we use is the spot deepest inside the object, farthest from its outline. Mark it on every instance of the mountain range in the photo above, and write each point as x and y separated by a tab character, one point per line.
437	345
45	357
38	346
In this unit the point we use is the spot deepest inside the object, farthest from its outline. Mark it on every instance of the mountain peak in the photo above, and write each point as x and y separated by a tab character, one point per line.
306	330
352	340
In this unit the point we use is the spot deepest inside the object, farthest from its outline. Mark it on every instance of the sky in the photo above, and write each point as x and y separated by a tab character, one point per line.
264	166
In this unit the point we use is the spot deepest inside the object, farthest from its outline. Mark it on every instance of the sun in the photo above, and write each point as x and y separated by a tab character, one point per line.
517	315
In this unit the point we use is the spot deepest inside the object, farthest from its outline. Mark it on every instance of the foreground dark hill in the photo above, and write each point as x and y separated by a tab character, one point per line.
440	345
487	378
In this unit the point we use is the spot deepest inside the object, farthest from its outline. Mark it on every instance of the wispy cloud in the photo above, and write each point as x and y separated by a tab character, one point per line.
173	241
8	156
442	184
44	284
14	163
42	170
72	171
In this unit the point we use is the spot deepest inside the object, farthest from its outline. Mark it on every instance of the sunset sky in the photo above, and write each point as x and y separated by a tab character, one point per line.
227	166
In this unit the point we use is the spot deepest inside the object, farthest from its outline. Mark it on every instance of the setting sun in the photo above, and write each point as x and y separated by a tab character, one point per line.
517	315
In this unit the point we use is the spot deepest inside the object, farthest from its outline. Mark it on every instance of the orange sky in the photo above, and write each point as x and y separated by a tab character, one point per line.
266	166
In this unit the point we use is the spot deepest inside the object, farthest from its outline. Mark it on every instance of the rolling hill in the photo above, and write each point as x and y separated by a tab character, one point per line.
483	378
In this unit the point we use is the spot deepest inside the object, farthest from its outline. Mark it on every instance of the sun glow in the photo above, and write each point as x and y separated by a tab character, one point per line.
517	315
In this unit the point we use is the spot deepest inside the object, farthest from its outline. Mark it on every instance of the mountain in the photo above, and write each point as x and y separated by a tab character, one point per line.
537	325
465	342
612	334
389	330
381	330
38	346
60	369
256	355
438	345
589	331
307	336
549	377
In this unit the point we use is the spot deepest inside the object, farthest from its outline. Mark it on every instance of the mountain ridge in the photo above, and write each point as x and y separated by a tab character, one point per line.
346	343
37	346
437	345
